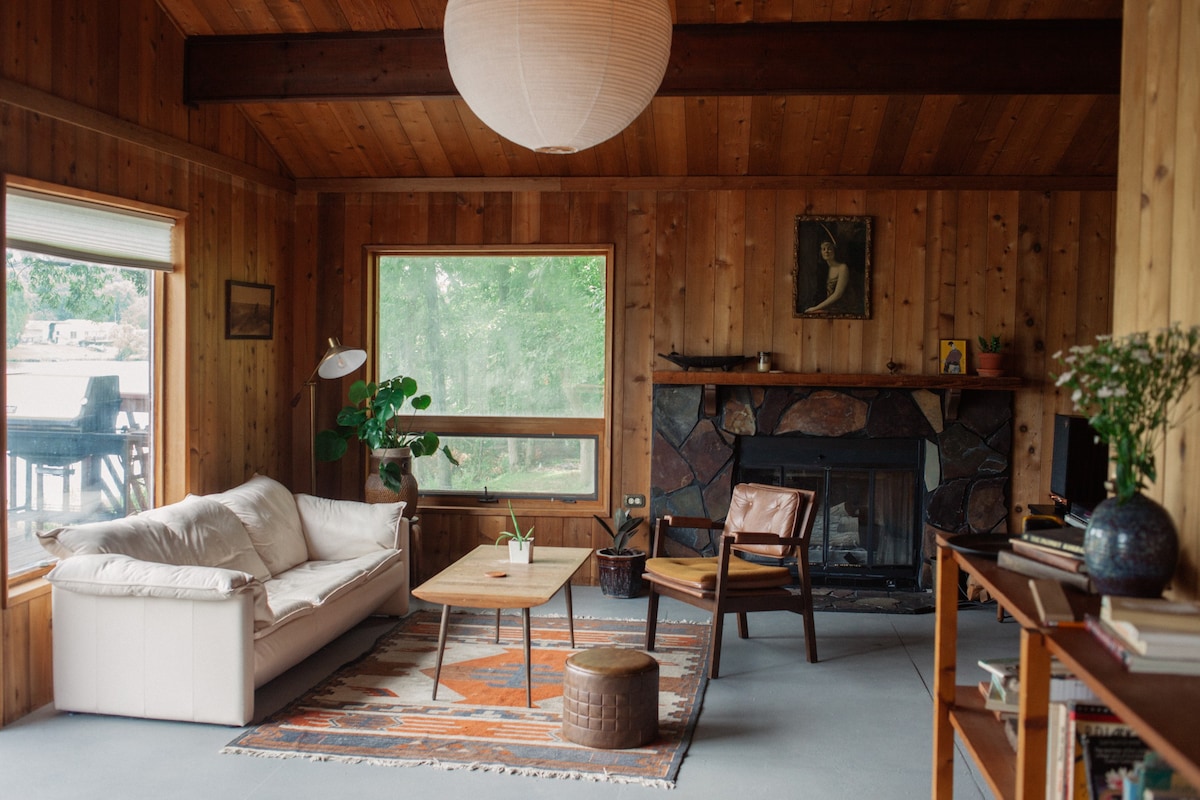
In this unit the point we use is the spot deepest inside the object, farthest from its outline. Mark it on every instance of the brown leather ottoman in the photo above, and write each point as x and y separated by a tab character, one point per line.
610	698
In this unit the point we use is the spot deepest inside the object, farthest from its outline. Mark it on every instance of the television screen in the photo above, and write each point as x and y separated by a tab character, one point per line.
1079	464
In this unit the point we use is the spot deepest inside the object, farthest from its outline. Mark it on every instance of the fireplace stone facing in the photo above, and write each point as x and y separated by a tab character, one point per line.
966	467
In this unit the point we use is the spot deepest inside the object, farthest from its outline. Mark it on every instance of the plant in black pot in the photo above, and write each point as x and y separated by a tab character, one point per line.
621	567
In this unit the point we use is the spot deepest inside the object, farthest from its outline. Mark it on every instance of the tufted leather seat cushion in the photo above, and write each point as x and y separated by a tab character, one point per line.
701	573
759	508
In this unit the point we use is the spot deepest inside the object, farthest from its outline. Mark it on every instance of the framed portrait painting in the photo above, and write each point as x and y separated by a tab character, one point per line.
953	357
249	310
831	278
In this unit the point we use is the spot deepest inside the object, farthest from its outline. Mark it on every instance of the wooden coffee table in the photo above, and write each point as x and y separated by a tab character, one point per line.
467	582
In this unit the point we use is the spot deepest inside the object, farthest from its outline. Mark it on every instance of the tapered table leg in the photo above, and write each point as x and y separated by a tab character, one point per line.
528	671
570	614
437	670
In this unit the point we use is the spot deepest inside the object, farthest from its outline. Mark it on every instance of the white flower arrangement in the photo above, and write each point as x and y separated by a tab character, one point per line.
1129	386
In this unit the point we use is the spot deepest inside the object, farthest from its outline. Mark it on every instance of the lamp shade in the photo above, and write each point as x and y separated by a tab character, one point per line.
557	76
339	360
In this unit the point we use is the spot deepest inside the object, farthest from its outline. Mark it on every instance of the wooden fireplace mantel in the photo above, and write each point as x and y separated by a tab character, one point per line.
953	385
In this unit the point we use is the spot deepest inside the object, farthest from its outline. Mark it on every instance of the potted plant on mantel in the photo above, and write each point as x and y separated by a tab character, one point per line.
989	360
520	544
621	567
376	418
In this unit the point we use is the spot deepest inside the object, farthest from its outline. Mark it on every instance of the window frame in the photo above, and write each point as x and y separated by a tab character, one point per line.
167	349
600	428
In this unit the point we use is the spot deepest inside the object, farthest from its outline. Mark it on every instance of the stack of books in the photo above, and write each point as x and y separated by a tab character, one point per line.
1056	553
1150	635
1001	692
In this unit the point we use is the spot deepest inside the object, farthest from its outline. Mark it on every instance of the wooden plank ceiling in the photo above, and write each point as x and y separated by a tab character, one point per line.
876	136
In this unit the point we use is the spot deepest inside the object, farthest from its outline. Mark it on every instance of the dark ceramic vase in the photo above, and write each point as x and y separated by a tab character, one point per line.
1131	548
621	576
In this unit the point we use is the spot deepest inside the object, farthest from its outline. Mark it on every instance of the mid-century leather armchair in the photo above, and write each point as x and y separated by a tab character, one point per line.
771	521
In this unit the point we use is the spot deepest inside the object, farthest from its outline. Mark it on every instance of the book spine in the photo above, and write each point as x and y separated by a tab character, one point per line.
1107	638
1036	569
1052	542
1055	558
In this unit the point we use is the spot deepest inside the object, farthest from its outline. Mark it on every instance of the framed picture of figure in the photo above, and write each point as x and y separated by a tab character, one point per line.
831	278
952	357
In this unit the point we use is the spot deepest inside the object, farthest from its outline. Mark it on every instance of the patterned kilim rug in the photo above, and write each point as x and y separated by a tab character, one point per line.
377	710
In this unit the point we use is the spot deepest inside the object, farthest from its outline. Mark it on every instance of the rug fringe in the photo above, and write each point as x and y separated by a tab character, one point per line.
535	772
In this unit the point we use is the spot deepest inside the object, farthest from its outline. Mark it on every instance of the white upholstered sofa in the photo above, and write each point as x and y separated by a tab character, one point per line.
181	612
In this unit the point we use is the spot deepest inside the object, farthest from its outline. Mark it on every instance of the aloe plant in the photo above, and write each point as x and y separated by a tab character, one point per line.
518	536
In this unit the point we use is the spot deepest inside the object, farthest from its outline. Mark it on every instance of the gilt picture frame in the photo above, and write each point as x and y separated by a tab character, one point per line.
249	310
831	274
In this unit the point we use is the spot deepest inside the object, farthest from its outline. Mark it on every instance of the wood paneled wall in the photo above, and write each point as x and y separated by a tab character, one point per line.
710	273
99	109
1158	235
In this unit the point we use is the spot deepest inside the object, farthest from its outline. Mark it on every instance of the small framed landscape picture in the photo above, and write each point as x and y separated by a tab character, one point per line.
249	310
953	359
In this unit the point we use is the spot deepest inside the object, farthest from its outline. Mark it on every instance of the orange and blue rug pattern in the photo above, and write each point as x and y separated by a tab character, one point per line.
378	709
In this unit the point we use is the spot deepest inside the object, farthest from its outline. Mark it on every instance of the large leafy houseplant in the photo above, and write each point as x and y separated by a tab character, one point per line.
1129	387
624	526
381	416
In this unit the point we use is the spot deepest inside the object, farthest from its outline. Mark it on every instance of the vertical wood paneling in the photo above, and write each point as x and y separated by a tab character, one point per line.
911	257
1033	414
1158	203
696	270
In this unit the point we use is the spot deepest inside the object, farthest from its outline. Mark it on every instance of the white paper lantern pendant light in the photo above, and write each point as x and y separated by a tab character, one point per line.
557	76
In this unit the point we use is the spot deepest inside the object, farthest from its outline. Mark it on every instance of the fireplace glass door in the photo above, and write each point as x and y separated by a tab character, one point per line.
867	505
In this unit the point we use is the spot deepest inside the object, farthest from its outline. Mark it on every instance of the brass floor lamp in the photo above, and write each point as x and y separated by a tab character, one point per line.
338	362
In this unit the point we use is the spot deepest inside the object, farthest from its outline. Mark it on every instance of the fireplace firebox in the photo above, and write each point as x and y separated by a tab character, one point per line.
868	501
898	458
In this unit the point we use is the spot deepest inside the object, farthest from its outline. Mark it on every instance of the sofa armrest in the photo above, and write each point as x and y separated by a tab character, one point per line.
336	530
114	574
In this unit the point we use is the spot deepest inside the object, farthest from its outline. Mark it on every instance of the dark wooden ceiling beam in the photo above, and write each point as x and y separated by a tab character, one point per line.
974	57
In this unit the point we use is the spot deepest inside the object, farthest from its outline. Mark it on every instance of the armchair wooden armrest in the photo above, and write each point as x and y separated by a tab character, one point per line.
691	522
673	521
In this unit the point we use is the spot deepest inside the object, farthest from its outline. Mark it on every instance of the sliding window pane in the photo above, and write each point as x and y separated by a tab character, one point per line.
78	346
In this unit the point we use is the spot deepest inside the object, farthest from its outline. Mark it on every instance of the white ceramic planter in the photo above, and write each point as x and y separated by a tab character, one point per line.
520	552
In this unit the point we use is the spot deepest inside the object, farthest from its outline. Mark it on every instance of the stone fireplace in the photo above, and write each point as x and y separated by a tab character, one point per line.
921	470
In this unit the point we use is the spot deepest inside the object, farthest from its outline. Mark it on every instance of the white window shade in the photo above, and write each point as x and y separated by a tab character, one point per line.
89	232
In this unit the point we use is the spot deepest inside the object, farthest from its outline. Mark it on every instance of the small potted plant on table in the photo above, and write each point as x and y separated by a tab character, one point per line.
520	544
621	567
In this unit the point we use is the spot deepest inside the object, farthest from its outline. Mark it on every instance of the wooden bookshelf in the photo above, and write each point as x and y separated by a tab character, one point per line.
1149	703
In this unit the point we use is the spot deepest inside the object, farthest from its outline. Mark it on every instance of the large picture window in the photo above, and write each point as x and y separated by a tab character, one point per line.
79	344
512	346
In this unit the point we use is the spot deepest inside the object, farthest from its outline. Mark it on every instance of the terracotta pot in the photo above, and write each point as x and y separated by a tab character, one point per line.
375	492
990	365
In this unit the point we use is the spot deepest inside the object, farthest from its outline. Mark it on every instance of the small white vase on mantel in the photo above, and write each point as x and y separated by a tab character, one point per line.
520	552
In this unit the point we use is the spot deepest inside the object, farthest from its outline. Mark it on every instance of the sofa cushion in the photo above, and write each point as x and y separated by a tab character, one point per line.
138	537
300	590
214	535
268	512
339	529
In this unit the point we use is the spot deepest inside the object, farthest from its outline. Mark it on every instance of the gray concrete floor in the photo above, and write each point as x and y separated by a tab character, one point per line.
855	725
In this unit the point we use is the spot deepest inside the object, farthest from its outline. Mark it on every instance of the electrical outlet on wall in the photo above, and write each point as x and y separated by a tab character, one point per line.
635	501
